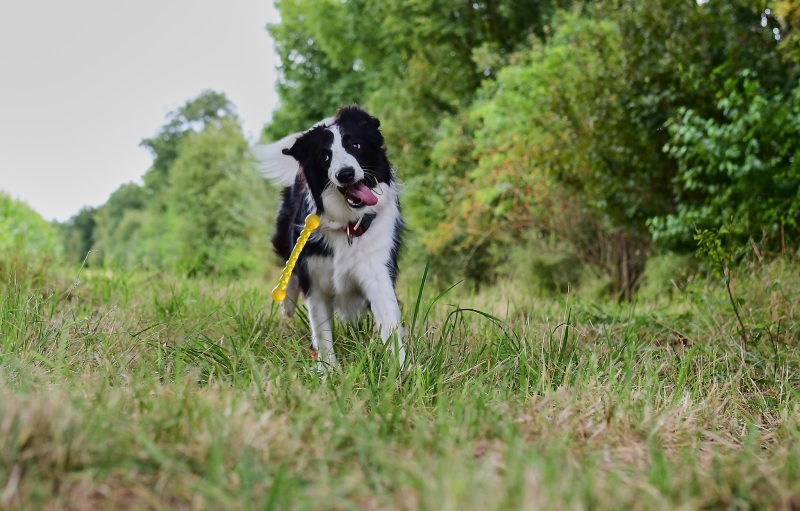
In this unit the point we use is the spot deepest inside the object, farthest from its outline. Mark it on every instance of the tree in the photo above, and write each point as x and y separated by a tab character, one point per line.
787	12
203	208
113	244
209	107
569	137
218	203
511	168
414	65
78	234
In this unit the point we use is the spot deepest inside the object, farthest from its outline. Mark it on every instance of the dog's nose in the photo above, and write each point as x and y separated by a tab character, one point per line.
346	175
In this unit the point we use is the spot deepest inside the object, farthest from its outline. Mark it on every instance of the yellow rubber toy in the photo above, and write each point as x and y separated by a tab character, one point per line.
279	293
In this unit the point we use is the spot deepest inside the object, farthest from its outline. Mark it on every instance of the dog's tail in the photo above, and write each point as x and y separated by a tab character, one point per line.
276	166
279	168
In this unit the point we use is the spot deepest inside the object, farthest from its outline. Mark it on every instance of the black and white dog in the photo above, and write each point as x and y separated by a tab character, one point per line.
338	169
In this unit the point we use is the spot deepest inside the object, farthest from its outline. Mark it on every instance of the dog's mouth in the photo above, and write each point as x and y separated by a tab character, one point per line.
359	195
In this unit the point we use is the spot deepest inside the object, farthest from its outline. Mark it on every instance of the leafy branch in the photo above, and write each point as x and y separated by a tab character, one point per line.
721	256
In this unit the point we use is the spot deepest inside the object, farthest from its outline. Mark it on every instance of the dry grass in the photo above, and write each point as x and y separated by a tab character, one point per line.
147	391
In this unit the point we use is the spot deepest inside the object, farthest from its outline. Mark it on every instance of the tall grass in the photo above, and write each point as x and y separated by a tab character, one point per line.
150	391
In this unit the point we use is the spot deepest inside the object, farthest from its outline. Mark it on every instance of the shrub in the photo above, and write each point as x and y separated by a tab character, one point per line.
742	163
28	243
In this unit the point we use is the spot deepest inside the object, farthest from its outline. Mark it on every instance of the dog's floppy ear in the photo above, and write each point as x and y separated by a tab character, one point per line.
367	120
291	151
372	122
305	145
279	161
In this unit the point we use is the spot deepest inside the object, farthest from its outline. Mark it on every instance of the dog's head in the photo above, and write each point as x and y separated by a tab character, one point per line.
344	162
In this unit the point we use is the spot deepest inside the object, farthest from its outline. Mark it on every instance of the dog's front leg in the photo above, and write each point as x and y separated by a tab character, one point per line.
320	312
383	302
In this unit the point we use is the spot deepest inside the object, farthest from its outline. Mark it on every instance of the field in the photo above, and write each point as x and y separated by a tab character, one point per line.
151	391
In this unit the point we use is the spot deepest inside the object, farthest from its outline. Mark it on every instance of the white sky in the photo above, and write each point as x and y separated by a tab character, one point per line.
83	81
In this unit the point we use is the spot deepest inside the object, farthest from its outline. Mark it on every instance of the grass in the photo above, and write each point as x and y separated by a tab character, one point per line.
150	391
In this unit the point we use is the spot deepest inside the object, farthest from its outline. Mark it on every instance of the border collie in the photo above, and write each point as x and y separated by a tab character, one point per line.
338	169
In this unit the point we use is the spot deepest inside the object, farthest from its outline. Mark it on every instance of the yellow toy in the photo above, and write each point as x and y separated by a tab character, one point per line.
279	293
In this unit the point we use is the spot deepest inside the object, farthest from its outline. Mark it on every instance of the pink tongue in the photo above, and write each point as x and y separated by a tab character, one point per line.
362	192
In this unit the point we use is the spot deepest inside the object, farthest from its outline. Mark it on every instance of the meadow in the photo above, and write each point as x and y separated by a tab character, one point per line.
146	390
562	163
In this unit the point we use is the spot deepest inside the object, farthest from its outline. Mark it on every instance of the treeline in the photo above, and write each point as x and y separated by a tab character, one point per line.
559	136
202	207
544	131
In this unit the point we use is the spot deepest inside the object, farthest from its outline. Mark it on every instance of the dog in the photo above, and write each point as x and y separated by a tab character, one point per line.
339	170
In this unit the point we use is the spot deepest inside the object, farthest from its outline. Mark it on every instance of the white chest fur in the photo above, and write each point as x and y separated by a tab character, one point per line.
353	266
355	277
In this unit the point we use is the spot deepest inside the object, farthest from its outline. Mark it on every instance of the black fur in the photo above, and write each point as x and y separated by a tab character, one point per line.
309	151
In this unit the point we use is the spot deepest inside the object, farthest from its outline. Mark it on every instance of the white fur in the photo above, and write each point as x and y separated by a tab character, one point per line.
276	166
340	158
357	274
320	311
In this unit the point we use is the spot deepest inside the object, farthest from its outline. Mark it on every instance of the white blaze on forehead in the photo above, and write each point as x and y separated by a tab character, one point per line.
341	158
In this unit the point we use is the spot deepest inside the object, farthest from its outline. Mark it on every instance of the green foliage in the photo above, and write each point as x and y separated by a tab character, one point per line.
202	209
538	267
599	127
569	137
113	235
738	163
319	72
513	120
78	235
211	214
788	13
27	241
664	274
209	107
218	202
531	158
527	134
711	245
414	64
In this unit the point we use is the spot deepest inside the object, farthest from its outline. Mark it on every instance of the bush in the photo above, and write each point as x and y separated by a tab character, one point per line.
536	266
742	163
28	243
529	158
663	272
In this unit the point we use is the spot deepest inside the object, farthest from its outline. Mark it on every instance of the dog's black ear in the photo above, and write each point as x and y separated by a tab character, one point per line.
300	148
293	151
372	122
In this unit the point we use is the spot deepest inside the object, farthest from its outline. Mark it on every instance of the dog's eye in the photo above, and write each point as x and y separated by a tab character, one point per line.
356	146
326	157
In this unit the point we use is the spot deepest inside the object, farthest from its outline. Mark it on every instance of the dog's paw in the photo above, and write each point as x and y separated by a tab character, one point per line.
320	368
288	307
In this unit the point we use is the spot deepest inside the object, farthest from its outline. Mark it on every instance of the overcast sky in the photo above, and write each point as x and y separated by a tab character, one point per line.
82	82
